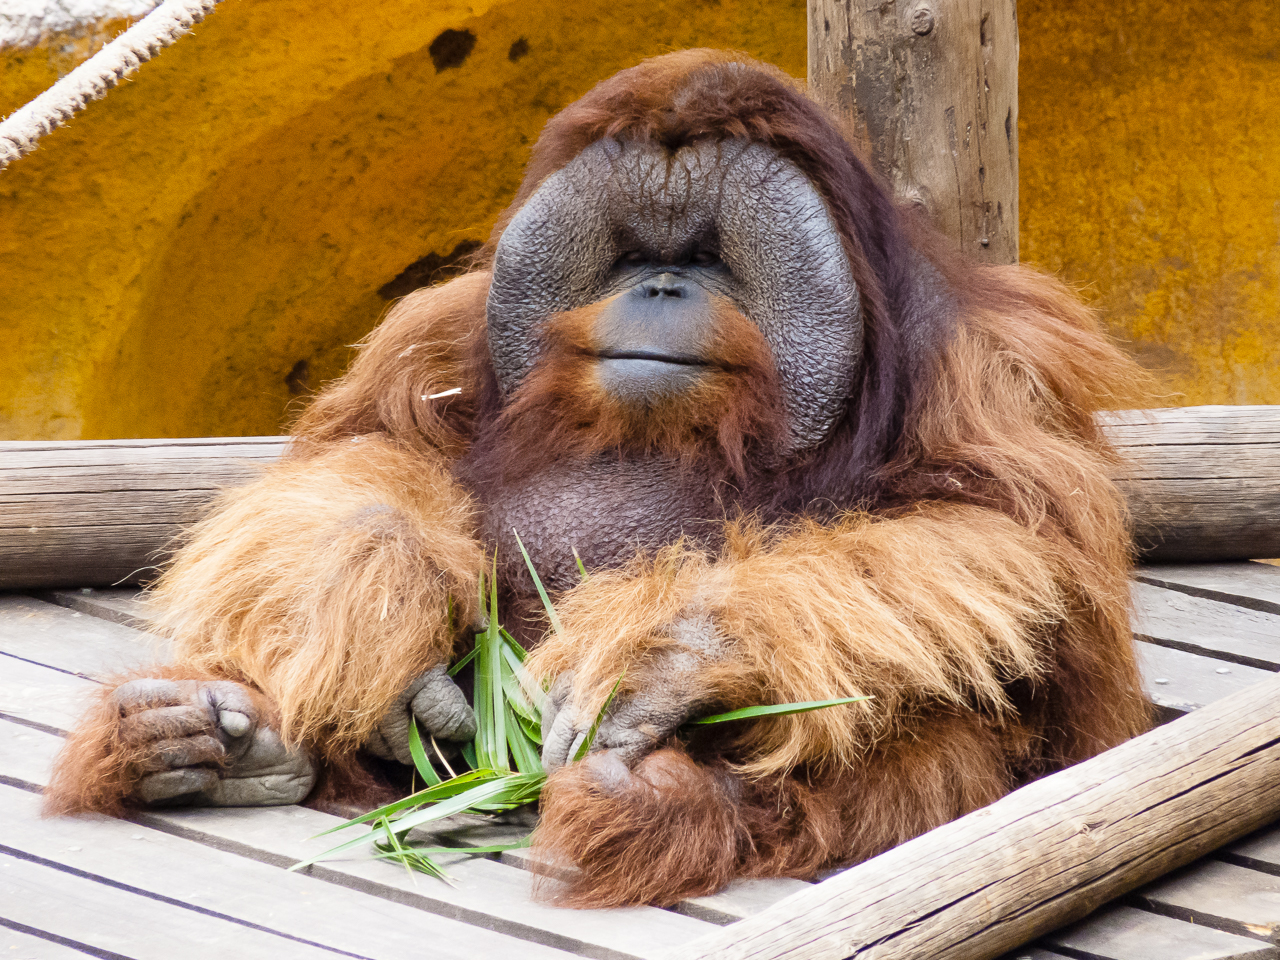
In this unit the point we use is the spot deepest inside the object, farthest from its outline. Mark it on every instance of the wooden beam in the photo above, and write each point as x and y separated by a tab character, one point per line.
101	512
1203	485
1043	856
929	88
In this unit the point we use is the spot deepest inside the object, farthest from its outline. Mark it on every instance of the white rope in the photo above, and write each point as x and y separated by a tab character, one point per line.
22	129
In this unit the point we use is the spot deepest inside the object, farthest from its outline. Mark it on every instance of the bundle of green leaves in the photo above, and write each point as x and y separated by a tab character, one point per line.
504	760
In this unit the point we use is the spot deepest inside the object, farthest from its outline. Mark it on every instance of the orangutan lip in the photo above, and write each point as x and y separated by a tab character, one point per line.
651	355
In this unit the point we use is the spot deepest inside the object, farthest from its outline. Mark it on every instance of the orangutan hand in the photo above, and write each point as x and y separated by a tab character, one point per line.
667	691
206	743
440	708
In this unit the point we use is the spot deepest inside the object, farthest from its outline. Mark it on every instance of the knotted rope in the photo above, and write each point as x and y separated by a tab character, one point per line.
22	129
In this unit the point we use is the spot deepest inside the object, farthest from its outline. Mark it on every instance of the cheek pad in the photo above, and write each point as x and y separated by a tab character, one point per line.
773	231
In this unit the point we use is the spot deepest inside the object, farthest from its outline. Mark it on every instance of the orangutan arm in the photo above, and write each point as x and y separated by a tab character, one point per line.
322	596
945	605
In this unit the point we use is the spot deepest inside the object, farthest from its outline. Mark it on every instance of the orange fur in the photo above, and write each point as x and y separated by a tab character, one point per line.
423	347
562	412
97	767
327	585
676	829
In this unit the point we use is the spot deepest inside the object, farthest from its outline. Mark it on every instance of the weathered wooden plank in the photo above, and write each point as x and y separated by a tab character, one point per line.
741	899
247	890
1177	681
26	946
1033	953
1224	896
1201	481
127	924
483	893
98	513
1250	584
41	695
74	642
26	755
123	605
931	92
1044	855
1259	851
1207	627
1123	933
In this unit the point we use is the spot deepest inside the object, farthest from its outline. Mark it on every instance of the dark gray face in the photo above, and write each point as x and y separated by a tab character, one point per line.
666	231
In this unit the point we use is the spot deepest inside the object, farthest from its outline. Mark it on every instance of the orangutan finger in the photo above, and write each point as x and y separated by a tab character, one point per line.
160	787
187	752
164	723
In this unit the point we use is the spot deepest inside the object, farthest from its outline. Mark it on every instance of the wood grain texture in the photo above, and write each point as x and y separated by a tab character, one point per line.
1123	933
98	513
1043	856
1207	627
1224	896
1203	483
930	89
1252	585
127	925
1178	682
200	877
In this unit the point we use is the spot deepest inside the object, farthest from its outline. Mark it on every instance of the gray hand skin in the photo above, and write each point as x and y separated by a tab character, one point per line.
440	708
666	692
208	746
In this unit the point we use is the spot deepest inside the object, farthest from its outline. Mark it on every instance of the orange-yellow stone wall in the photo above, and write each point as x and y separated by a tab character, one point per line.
194	252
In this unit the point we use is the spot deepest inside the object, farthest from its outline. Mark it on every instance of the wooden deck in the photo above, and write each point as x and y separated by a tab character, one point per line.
212	882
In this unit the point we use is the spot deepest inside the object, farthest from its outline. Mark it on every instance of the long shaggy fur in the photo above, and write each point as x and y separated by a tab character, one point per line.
327	584
953	549
676	828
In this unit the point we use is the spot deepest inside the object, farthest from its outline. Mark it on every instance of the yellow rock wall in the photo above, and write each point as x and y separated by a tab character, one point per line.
1150	154
194	253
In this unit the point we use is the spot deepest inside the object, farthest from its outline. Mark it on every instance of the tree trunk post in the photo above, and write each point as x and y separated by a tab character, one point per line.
929	89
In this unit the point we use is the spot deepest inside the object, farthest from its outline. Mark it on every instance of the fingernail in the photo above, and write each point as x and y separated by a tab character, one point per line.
236	724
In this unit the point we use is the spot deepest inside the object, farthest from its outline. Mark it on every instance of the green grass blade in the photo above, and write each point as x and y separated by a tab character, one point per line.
425	769
411	858
582	567
453	671
515	691
523	750
511	789
775	710
495	848
359	841
537	582
443	791
512	644
583	750
469	755
500	758
531	730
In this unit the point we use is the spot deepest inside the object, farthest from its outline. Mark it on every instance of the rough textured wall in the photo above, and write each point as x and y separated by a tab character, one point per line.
196	252
201	247
1150	152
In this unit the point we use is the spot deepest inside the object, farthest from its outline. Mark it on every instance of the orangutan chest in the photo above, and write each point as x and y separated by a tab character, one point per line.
606	510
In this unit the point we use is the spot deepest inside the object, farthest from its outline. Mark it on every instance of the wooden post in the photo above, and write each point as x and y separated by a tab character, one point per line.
929	88
1040	857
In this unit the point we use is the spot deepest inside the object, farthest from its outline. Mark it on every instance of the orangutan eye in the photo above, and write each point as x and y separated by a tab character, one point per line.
704	258
632	258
